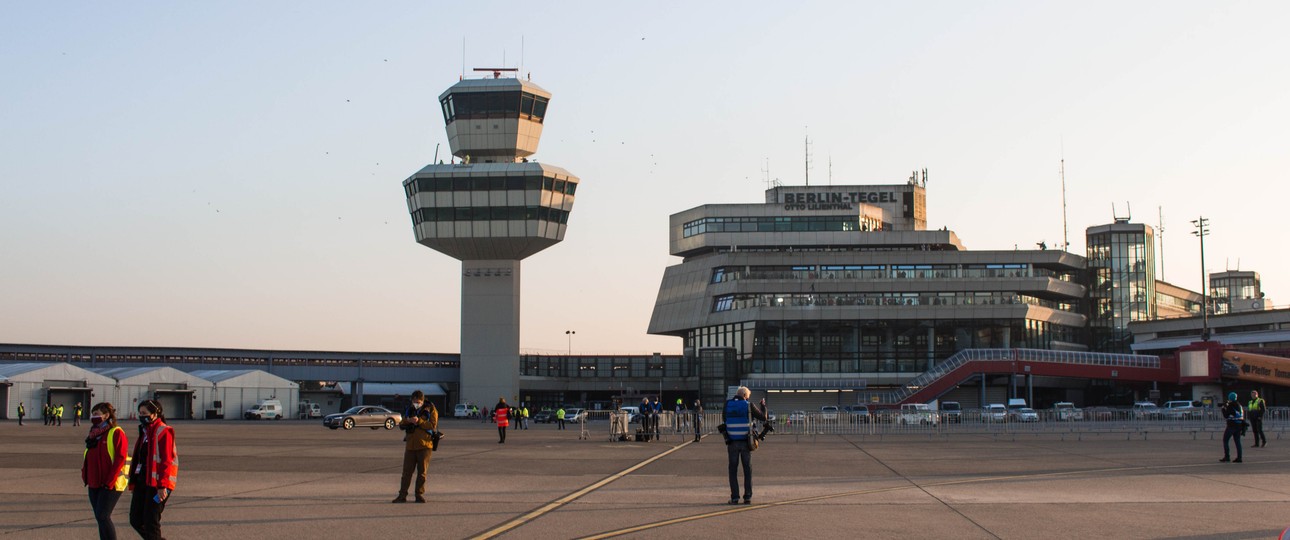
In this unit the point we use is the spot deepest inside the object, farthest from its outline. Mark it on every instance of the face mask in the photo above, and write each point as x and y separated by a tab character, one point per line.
96	420
417	404
145	420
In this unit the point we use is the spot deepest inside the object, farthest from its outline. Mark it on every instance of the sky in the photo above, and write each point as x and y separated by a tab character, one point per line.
229	174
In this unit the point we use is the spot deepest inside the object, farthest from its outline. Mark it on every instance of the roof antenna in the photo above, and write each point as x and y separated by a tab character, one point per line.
808	157
830	169
1066	239
521	53
463	58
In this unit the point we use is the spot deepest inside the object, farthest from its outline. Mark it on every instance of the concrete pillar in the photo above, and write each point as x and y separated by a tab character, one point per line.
490	331
982	402
1005	337
931	347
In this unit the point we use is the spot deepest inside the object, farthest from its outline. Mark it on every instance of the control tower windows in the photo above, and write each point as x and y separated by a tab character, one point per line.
477	105
429	185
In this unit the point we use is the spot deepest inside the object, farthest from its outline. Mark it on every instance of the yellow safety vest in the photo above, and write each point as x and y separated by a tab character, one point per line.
122	477
1257	404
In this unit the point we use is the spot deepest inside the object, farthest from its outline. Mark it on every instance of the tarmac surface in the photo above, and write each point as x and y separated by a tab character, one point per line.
295	479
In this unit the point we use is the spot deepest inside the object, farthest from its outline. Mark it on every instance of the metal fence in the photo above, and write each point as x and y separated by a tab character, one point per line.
672	427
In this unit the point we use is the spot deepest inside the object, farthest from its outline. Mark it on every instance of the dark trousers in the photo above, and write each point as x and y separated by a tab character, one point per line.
1232	433
145	513
103	502
738	452
501	434
1256	424
20	419
76	420
414	460
561	425
698	428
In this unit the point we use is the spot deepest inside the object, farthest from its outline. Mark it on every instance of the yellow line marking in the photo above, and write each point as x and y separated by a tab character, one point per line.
572	496
719	513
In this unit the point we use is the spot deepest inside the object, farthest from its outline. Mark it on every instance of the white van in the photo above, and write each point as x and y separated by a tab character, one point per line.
264	410
464	410
918	413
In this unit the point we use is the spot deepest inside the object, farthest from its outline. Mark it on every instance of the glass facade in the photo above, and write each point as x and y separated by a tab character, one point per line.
730	302
607	367
868	346
1225	289
882	271
1121	268
779	224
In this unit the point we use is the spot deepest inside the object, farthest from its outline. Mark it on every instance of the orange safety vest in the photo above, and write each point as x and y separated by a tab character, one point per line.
161	454
503	419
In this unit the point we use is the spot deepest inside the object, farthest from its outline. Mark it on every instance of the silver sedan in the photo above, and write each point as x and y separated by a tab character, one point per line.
363	416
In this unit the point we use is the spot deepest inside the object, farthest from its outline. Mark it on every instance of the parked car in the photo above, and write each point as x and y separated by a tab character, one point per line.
1024	414
829	413
363	416
574	414
797	416
994	412
1182	410
1065	411
544	416
952	412
918	413
1146	410
859	414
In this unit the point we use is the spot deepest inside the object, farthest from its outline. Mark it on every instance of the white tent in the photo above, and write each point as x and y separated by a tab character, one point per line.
237	390
181	394
37	383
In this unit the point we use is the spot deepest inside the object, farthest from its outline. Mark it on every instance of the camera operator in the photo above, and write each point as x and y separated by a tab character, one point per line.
419	421
738	415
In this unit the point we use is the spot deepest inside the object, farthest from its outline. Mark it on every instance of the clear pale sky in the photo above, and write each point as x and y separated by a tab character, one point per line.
228	174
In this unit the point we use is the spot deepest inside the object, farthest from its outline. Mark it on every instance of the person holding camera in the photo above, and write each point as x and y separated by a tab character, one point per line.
1235	416
103	468
738	415
154	470
420	422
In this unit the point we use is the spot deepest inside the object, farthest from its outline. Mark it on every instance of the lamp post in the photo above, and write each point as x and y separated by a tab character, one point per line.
570	334
1202	230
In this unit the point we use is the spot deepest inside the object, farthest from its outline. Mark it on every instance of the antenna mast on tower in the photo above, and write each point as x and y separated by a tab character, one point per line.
1066	239
808	158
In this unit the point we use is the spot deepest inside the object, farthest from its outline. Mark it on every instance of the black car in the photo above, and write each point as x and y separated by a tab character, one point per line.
544	417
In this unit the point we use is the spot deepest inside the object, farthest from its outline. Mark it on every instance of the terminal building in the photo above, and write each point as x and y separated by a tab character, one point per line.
835	289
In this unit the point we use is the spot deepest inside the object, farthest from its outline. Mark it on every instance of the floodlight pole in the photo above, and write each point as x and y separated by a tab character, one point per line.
1202	230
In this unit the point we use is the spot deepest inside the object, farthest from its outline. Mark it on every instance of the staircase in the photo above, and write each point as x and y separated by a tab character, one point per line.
971	362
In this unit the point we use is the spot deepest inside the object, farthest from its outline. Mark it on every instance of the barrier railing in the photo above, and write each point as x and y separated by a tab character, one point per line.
674	428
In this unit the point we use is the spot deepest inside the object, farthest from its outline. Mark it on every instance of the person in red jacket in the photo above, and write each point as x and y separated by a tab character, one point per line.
153	472
500	413
103	469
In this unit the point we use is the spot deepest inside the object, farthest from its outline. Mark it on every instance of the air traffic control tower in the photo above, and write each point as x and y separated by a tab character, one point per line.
490	208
